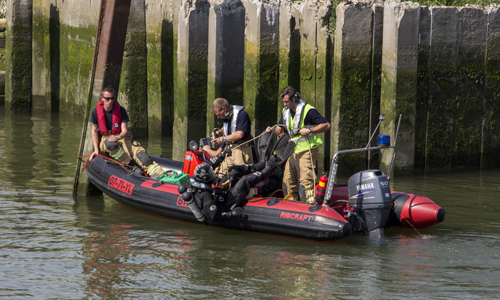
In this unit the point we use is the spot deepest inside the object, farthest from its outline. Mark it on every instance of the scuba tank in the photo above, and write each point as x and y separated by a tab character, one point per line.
189	199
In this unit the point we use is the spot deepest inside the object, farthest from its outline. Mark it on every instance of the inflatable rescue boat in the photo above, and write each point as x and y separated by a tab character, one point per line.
365	205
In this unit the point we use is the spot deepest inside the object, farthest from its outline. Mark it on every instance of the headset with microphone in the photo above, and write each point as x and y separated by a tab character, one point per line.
296	96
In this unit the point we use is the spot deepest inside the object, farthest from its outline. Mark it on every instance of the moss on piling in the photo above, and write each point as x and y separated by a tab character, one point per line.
351	92
18	74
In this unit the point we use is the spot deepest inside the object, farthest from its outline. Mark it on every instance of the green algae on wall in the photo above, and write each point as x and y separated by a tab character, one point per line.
350	106
46	56
376	80
133	86
40	31
190	86
160	70
133	92
261	65
399	82
251	81
162	41
18	80
76	54
352	84
2	52
226	51
402	105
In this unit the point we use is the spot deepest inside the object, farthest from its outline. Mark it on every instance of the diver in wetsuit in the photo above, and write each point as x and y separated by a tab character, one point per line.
218	199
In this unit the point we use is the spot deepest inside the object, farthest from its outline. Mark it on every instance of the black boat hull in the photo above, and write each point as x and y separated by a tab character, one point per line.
267	215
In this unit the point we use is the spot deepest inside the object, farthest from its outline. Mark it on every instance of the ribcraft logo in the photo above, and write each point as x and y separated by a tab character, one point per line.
296	216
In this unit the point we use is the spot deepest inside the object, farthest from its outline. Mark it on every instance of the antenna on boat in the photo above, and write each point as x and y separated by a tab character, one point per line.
383	143
391	165
380	118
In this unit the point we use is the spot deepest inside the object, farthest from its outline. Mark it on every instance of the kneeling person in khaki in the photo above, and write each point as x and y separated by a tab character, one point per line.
235	131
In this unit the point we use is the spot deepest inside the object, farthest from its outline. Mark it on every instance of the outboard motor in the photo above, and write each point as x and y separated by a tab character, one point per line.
370	198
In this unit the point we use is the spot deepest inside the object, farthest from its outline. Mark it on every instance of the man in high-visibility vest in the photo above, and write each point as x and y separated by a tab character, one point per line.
303	123
110	119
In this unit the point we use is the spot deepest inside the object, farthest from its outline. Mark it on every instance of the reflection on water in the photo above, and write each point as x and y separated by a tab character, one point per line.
54	246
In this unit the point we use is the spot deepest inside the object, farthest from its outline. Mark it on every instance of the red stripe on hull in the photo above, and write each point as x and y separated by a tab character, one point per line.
165	187
296	207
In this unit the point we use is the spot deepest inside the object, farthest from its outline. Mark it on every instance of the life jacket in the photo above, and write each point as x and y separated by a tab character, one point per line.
101	119
303	142
235	109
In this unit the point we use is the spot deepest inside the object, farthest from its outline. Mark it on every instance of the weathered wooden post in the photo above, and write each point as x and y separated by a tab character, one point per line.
315	85
190	87
133	94
472	30
289	50
376	75
490	143
351	82
260	96
442	87
108	57
226	51
18	53
424	31
399	80
161	35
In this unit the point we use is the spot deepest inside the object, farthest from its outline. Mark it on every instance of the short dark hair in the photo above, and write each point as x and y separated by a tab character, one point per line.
108	89
290	92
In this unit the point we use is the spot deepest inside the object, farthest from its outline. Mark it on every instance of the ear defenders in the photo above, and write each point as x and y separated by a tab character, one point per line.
296	95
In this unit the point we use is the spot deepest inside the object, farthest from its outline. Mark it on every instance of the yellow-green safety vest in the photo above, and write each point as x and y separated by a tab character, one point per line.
313	140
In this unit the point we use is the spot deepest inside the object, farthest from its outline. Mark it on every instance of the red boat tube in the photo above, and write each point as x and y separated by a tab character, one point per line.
415	211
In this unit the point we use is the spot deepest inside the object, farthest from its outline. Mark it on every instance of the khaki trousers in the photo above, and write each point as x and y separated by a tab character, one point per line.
128	150
239	156
299	175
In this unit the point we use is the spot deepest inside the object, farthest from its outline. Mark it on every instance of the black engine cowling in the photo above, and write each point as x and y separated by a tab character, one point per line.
370	197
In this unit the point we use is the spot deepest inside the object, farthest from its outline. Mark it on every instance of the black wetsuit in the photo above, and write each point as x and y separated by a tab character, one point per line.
216	203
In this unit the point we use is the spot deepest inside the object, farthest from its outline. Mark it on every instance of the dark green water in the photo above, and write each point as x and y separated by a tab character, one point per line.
55	247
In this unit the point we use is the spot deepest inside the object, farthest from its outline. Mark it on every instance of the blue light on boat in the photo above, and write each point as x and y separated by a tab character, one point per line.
384	140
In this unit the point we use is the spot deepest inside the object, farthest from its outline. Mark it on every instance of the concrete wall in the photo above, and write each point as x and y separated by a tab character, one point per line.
3	25
399	79
438	66
352	82
18	49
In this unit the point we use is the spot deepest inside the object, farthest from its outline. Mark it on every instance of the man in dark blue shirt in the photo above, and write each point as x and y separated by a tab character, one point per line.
234	134
110	119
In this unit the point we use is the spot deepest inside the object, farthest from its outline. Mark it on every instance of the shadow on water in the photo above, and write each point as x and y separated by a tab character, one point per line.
19	146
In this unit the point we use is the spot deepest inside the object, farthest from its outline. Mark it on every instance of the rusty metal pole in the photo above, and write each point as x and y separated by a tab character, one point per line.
106	69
